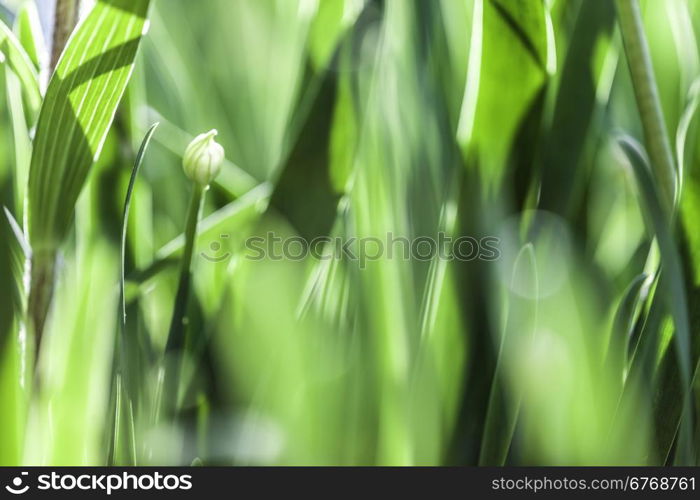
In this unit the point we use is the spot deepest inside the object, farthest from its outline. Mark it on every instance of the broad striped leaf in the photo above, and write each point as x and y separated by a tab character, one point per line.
78	110
508	68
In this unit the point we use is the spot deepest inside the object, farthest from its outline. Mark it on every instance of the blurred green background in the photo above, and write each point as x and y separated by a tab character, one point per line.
358	118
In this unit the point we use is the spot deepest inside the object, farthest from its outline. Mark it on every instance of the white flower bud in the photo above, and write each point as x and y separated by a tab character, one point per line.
203	158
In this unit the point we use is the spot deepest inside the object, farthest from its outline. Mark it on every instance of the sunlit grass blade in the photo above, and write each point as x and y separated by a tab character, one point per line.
126	369
672	285
15	377
623	322
577	96
331	20
21	64
18	233
127	204
684	129
22	142
30	35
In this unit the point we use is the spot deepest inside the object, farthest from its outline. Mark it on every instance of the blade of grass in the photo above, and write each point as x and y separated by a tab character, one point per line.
684	127
623	324
123	417
19	234
673	288
575	106
504	401
29	33
21	140
21	65
127	204
14	375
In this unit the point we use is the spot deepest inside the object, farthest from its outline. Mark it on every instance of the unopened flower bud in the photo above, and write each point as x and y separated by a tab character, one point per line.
203	158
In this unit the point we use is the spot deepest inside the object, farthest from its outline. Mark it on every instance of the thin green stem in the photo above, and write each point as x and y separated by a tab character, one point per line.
176	336
647	95
41	286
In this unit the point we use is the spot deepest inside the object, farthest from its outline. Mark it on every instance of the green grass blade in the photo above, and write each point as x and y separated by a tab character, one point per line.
673	286
624	321
329	24
29	33
127	204
21	64
575	106
22	141
621	334
14	378
504	400
19	234
684	128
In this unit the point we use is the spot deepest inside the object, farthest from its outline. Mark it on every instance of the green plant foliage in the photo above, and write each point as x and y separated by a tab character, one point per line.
445	232
78	109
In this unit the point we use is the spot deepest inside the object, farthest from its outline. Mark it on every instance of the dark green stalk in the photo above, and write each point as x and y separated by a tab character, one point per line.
176	336
41	286
65	20
647	96
43	261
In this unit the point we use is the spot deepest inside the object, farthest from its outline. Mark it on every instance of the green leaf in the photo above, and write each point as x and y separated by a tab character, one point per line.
332	19
14	376
575	106
21	64
303	190
507	71
30	34
78	111
22	141
123	439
